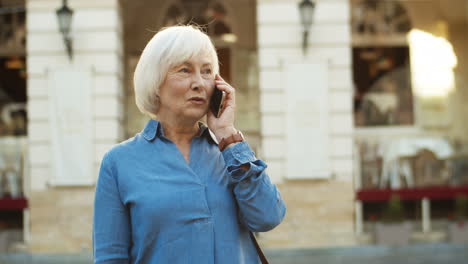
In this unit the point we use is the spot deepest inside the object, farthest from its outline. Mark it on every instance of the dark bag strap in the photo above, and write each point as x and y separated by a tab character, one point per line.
259	250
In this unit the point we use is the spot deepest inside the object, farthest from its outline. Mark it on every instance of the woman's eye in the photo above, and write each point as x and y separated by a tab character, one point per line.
207	71
184	70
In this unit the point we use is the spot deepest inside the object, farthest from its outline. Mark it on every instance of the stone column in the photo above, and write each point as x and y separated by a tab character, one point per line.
312	203
75	116
279	44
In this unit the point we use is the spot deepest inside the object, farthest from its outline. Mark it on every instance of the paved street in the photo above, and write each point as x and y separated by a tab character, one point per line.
414	254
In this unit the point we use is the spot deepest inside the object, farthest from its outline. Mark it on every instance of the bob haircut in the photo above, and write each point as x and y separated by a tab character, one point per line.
168	48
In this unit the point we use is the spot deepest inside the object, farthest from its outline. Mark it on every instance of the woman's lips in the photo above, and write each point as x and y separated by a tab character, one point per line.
197	100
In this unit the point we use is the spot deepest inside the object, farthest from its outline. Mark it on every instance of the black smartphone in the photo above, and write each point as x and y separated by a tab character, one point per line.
216	102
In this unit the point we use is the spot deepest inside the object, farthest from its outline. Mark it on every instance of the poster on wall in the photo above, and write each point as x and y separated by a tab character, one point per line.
307	137
70	112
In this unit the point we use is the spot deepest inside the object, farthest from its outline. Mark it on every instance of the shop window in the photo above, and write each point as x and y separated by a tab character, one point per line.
383	94
12	68
13	120
418	159
381	64
13	114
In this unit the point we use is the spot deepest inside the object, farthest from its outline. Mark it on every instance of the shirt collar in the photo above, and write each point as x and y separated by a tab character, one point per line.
149	132
205	131
154	129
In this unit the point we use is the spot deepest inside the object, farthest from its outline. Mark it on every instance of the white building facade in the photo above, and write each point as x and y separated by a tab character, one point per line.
297	110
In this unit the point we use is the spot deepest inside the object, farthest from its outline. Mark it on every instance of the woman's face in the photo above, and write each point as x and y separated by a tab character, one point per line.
187	89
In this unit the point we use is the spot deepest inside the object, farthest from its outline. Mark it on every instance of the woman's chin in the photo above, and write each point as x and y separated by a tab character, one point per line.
196	114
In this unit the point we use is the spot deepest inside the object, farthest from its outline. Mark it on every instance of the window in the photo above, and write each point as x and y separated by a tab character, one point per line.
382	92
381	64
12	69
13	117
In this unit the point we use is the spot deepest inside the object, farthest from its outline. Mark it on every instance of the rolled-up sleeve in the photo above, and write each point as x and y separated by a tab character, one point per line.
111	225
261	207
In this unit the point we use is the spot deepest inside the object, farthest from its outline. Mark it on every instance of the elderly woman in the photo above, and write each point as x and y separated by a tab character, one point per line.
172	194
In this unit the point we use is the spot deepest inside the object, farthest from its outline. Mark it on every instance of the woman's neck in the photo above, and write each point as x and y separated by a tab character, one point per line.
179	133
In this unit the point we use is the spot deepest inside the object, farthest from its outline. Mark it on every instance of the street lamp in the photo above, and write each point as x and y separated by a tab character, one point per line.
306	11
64	15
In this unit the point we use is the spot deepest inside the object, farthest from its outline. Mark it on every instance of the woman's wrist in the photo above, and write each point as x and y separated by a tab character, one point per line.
224	133
231	140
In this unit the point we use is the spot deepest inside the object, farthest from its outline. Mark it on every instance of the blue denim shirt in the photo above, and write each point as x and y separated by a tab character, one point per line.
151	206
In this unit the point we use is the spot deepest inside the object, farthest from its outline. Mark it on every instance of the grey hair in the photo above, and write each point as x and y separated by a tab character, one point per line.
168	48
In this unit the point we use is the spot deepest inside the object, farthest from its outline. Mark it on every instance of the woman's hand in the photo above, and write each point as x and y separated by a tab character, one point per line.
223	126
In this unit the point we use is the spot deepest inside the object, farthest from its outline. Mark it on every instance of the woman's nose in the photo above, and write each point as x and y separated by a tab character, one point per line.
197	81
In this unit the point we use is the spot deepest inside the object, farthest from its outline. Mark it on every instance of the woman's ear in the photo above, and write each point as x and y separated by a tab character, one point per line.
156	104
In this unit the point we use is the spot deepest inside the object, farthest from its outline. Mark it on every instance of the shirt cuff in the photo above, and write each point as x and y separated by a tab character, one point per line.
238	154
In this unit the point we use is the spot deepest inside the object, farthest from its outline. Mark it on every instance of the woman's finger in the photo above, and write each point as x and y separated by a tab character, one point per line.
220	80
225	87
226	90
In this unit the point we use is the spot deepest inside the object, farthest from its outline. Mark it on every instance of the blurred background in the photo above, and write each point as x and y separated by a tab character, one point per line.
359	107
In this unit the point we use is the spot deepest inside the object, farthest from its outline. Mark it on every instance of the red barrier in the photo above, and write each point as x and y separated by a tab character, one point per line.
432	193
